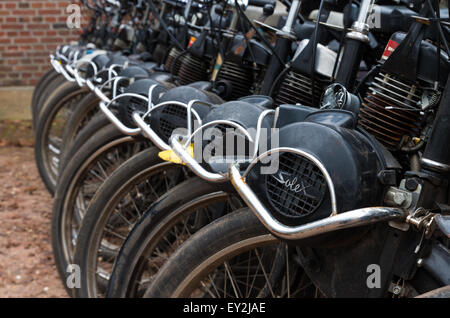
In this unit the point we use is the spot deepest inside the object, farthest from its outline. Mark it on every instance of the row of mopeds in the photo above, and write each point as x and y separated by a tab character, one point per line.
200	149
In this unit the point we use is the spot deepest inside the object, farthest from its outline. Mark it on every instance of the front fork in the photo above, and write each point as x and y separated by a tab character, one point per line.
355	41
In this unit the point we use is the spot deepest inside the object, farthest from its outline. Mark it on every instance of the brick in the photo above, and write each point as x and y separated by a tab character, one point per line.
24	5
12	48
49	12
10	82
13	54
26	67
50	5
25	48
24	19
25	40
53	40
50	19
39	47
59	26
11	62
12	26
65	4
5	68
23	12
38	26
37	5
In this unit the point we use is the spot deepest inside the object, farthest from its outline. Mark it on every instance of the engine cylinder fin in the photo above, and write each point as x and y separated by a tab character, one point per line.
397	117
296	88
397	87
240	76
193	69
391	110
173	54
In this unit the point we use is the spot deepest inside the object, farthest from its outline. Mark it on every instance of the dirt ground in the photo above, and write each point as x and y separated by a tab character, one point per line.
26	261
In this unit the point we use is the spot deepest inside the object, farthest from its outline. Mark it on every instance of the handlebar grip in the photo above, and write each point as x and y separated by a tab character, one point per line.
261	3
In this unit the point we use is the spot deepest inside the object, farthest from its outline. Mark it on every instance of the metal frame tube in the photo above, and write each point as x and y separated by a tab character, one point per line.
336	222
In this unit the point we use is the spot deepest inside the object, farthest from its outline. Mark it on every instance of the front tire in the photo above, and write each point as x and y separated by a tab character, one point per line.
85	172
233	257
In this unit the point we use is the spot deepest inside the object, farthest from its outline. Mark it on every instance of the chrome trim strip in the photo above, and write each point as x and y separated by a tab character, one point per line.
126	130
149	133
181	152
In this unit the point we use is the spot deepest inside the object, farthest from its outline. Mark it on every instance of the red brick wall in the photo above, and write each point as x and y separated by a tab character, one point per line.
29	31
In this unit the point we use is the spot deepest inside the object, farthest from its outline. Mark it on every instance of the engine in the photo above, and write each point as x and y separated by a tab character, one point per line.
171	58
193	69
239	72
391	110
239	77
395	108
297	87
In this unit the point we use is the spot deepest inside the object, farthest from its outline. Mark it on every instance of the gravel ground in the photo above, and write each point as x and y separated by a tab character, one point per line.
26	261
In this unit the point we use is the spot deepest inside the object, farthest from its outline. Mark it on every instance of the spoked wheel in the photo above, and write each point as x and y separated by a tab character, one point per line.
81	115
45	88
91	165
50	130
234	257
117	206
97	123
171	221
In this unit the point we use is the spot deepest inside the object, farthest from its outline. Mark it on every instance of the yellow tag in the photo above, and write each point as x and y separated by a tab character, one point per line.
217	67
170	156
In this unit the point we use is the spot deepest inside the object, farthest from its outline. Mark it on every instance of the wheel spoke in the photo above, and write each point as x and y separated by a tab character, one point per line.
232	280
264	272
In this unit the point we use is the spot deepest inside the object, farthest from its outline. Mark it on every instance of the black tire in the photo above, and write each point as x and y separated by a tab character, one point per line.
239	257
95	125
38	90
85	111
79	182
226	237
175	207
48	88
49	131
128	192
